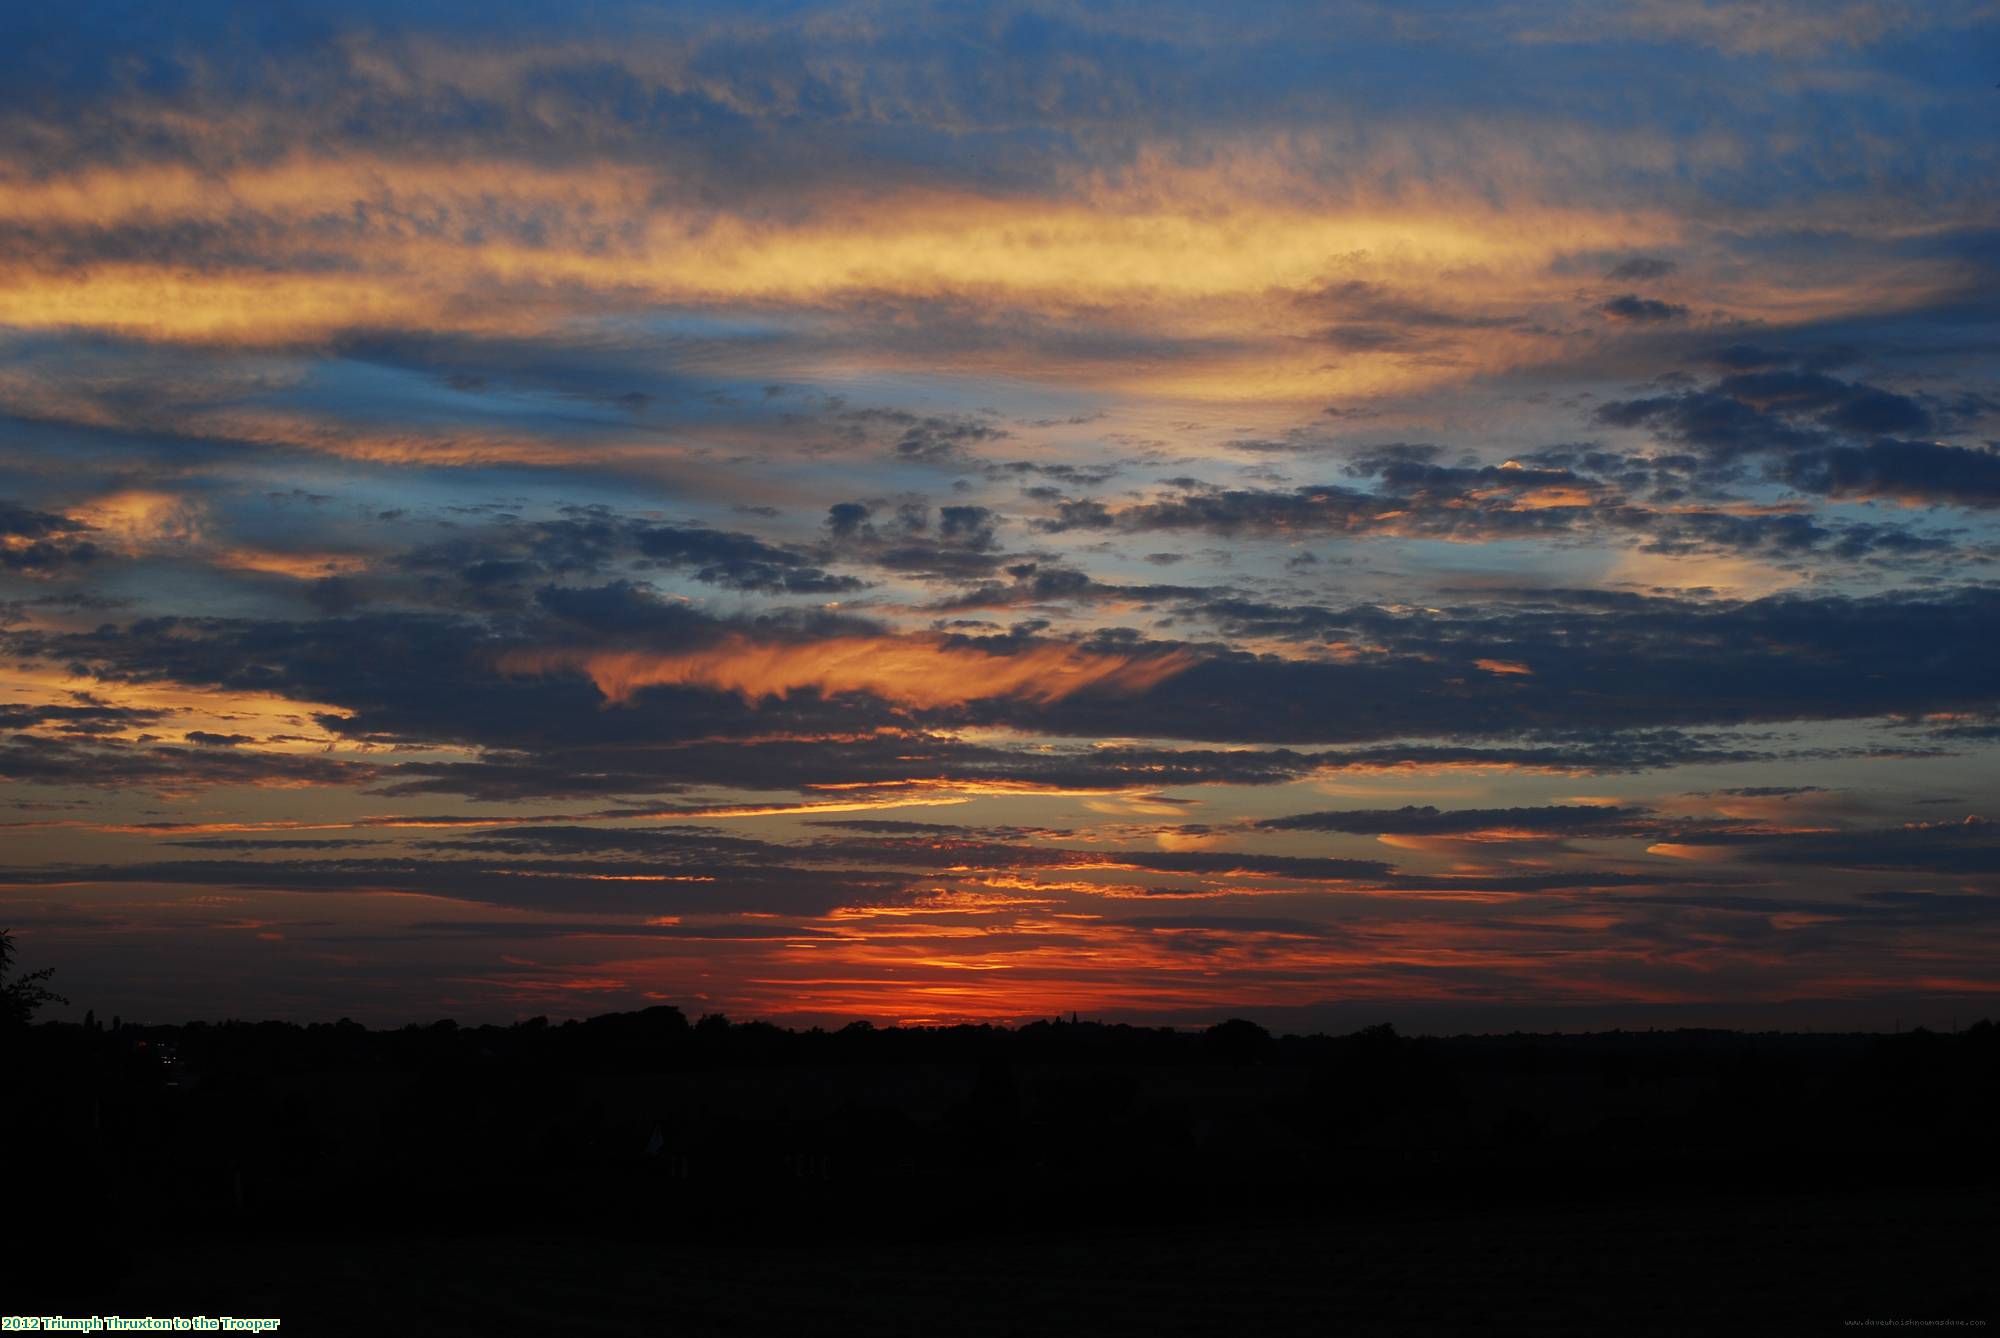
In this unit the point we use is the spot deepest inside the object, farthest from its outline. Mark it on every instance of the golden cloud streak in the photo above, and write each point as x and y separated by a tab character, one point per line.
374	821
914	670
282	724
299	566
1236	257
1220	277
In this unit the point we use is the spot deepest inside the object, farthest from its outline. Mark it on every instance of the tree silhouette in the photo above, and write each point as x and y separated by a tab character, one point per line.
20	998
1238	1041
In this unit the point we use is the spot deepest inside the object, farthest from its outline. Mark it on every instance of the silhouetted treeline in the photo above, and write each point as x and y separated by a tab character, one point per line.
236	1116
646	1123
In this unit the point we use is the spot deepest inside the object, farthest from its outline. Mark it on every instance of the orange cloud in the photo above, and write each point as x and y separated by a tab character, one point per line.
918	671
299	566
138	518
1677	850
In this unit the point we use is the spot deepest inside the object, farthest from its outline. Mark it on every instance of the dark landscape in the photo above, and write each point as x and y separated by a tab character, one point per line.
658	1175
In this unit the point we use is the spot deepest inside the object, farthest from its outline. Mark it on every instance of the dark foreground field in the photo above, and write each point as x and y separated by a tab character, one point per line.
637	1175
1706	1264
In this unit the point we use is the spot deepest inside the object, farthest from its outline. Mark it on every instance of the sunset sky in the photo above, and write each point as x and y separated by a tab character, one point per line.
1475	515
